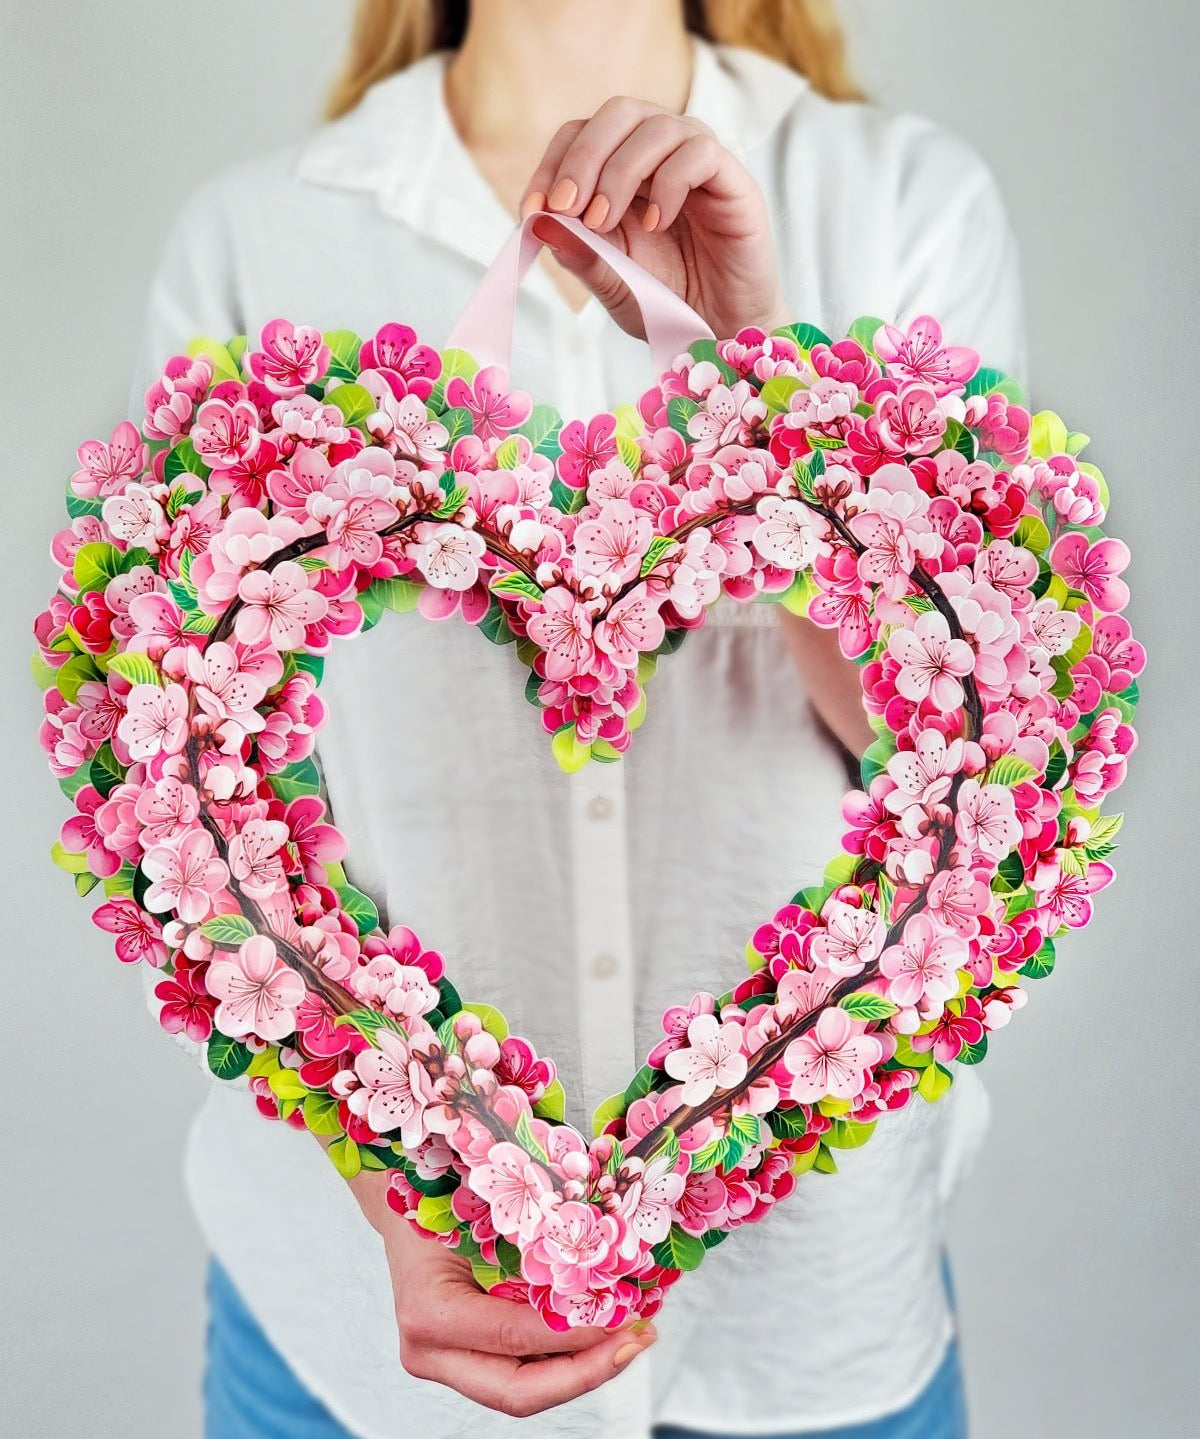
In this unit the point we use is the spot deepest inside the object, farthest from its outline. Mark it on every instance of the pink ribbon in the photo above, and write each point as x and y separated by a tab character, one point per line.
485	327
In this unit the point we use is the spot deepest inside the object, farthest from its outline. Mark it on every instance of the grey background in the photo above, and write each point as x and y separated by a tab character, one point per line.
1074	1242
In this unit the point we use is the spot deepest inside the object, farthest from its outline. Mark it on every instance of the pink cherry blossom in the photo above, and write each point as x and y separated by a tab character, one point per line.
563	629
138	934
610	547
259	994
254	857
987	819
515	1188
495	409
833	1058
586	450
225	435
785	534
107	469
918	353
387	1099
186	876
931	661
711	1060
1093	568
851	939
277	605
155	720
922	966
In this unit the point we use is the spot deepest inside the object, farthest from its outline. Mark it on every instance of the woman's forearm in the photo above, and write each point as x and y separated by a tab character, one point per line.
832	681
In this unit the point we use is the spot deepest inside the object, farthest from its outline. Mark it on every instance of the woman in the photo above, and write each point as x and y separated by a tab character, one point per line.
762	195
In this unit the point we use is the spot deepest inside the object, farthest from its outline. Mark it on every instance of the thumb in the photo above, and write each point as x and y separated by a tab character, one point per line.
603	281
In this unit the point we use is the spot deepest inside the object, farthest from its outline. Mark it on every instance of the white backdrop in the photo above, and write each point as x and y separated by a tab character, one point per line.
1074	1244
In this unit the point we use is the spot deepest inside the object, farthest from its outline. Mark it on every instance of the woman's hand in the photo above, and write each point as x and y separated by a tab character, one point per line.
663	188
494	1351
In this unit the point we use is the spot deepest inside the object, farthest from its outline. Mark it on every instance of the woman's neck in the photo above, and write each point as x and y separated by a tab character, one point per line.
525	67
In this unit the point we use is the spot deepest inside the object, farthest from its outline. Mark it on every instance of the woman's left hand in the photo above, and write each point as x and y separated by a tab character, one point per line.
664	189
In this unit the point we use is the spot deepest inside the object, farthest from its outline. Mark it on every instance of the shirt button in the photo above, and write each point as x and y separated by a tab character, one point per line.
604	966
599	807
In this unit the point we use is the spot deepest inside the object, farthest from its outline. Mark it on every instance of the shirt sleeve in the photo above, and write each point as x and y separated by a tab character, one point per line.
193	292
956	253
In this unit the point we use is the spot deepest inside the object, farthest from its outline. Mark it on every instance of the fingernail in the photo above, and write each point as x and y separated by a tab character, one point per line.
652	216
535	200
596	211
625	1354
562	197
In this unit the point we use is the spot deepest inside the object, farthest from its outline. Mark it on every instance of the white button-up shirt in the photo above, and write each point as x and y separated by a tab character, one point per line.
582	905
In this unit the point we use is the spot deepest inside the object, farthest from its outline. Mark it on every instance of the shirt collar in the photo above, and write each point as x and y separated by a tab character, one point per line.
435	186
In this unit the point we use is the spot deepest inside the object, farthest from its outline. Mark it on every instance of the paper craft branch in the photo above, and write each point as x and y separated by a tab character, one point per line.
284	494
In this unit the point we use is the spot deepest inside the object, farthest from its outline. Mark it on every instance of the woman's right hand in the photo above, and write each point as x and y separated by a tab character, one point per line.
494	1351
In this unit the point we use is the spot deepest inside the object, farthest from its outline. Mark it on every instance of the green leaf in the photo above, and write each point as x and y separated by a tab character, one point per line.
641	1084
527	1140
1009	770
360	907
197	622
508	452
824	442
138	669
705	352
85	883
321	1114
659	546
67	859
777	392
228	931
824	1163
1100	841
864	330
179	499
568	751
629	453
344	346
541	429
183	460
680	409
456	497
105	773
492	1020
354	401
566	499
742	1132
553	1104
1047	435
789	1123
297	779
1011	873
864	1005
368	1022
77	507
78	670
973	1053
287	1084
805	336
515	585
679	1250
1039	965
495	627
875	759
394	594
958	437
95	565
606	1111
227	1058
1032	534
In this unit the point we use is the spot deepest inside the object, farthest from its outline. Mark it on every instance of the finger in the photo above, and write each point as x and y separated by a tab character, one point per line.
542	179
574	181
521	1390
600	278
695	163
630	167
466	1317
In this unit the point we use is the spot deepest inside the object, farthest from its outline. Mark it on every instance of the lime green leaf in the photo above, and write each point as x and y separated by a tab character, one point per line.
1047	435
66	859
347	1159
492	1020
606	1111
1032	534
183	460
228	931
567	750
344	346
864	330
138	669
507	454
321	1114
848	1134
95	565
1009	769
934	1083
1099	843
80	669
353	401
864	1005
435	1214
659	546
454	501
224	365
553	1104
630	453
516	585
287	1084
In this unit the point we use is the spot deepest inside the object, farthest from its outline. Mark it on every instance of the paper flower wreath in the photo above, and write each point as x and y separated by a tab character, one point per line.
285	494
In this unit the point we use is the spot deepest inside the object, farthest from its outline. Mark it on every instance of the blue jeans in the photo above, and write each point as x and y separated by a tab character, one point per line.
250	1393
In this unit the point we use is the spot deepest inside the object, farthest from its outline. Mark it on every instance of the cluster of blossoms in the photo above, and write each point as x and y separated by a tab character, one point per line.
882	484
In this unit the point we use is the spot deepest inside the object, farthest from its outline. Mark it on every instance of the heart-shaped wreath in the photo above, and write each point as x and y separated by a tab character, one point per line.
283	494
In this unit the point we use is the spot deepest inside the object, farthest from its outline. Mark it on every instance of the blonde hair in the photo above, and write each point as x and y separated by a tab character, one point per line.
387	35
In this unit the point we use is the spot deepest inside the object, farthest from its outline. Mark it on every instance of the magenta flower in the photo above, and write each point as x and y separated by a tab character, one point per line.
185	876
291	357
919	354
912	422
186	1009
138	934
495	409
1093	569
585	450
226	434
259	994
